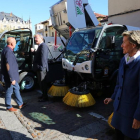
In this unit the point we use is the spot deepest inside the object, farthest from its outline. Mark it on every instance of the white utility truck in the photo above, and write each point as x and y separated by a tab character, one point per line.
93	53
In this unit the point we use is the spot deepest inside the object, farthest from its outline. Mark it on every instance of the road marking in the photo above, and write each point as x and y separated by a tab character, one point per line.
98	116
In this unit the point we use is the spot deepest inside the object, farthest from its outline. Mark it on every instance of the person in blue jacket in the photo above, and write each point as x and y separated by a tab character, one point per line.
9	69
126	96
40	65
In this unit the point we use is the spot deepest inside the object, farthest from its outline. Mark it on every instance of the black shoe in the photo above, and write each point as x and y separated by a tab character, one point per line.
43	100
40	97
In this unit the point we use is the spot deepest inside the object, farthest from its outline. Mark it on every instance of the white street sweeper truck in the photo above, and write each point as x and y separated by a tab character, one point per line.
92	53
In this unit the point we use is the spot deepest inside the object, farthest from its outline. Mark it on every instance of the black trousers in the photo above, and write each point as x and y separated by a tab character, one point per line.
41	76
120	135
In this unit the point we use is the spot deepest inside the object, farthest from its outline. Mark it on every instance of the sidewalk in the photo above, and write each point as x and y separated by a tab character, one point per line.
51	120
10	126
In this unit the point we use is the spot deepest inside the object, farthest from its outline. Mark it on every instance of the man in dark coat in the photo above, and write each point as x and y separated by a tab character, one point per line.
40	65
9	68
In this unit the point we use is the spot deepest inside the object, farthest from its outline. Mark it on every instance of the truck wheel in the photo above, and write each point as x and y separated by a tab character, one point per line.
27	81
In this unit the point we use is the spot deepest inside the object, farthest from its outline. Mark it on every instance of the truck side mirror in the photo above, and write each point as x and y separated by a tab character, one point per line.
110	41
113	39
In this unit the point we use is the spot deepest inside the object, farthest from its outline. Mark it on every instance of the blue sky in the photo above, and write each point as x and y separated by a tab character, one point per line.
38	10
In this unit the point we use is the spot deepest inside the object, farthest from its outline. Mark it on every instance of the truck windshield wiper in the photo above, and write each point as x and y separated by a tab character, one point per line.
78	55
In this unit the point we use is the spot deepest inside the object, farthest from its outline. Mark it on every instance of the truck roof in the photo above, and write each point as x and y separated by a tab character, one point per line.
97	27
87	28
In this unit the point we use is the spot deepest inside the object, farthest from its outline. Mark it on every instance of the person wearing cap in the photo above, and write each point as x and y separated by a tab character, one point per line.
126	96
9	69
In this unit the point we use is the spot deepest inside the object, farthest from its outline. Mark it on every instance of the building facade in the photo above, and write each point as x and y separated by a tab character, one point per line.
9	21
124	12
46	29
101	18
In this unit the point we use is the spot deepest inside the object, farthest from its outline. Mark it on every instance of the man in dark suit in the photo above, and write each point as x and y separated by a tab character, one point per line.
40	65
9	68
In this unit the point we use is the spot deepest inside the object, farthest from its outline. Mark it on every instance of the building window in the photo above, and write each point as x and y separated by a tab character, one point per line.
4	26
19	27
52	34
46	28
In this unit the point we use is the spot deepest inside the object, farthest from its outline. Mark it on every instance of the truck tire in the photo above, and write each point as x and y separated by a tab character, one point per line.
27	81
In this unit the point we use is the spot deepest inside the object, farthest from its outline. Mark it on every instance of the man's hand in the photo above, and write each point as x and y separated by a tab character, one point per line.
32	49
136	124
13	82
107	101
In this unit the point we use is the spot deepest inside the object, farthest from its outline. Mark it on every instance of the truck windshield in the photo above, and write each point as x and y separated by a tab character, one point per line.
81	41
22	39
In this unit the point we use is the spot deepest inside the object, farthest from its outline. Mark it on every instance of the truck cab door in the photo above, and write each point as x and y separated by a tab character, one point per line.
24	42
109	53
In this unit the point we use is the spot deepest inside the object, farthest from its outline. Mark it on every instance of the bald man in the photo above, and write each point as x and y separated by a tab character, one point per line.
9	68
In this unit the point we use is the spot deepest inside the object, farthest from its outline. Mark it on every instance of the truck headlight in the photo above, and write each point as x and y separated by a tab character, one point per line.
86	67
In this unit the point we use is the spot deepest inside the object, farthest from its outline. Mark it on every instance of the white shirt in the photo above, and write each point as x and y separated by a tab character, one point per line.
129	59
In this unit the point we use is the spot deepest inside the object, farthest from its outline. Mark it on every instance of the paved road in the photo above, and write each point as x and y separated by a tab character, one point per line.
53	120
